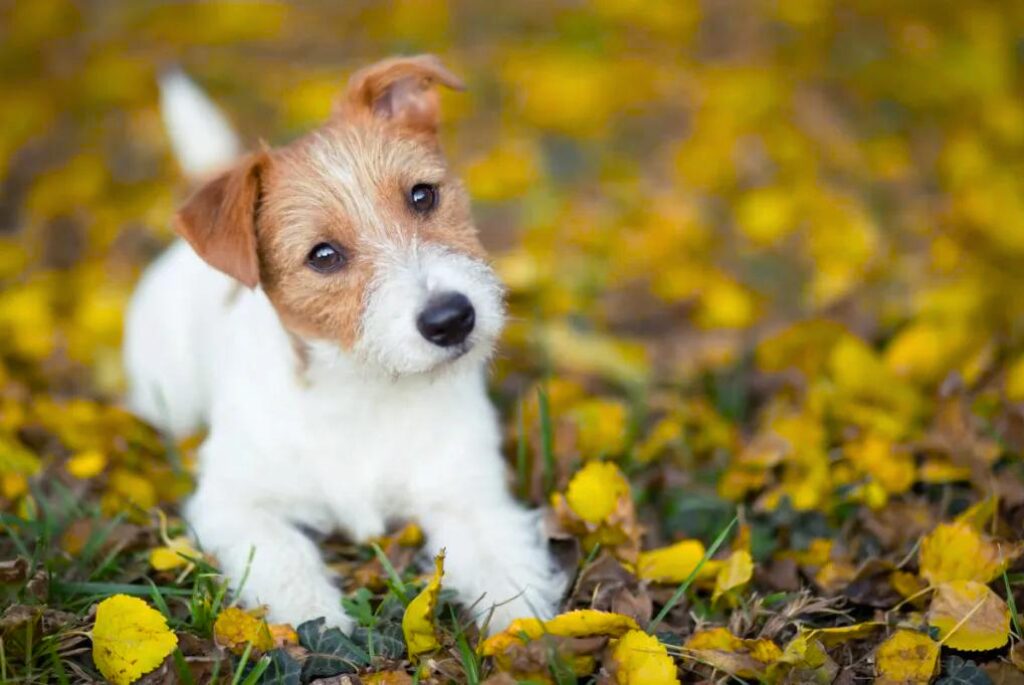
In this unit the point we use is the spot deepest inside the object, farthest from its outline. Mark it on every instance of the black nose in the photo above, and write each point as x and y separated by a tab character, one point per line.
447	319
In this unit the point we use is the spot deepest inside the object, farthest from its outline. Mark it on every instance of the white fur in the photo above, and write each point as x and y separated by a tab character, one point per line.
396	429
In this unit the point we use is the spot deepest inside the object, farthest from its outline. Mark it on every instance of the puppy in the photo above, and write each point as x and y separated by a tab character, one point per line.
329	316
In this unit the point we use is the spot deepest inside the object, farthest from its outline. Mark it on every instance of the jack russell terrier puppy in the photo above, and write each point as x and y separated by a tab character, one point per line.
329	316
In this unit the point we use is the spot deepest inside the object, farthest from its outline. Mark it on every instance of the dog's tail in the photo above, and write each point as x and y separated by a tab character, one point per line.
202	139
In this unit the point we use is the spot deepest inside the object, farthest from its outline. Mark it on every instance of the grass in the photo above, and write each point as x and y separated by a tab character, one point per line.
685	585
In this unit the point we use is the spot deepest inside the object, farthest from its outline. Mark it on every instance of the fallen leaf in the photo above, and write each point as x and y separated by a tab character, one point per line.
595	490
804	661
235	628
969	616
979	515
1017	655
726	652
513	652
1002	673
386	678
86	464
672	564
957	551
906	658
418	621
129	639
831	637
640	659
283	634
597	506
13	570
173	555
736	572
579	623
589	622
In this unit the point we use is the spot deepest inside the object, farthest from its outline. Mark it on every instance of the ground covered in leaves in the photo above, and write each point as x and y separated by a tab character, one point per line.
765	368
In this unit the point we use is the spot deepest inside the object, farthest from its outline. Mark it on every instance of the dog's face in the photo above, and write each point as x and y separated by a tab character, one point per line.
359	233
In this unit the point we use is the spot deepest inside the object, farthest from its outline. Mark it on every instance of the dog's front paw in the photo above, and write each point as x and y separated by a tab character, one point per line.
298	610
538	594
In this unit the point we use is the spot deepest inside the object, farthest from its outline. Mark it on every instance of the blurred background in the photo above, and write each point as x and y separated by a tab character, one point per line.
721	221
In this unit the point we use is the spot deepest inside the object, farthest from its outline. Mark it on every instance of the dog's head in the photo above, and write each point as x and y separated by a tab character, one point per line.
359	233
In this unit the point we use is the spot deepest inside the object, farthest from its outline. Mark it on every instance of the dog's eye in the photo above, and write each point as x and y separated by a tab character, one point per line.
325	258
423	197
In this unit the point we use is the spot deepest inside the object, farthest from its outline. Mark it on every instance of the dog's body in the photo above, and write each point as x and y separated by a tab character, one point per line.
338	397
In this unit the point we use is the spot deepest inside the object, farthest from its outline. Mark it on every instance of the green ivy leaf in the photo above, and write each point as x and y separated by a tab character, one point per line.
331	651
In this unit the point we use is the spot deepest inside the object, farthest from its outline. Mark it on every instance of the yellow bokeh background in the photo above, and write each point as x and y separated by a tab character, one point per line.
671	190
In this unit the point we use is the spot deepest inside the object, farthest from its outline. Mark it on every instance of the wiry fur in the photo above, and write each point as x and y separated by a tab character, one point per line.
326	407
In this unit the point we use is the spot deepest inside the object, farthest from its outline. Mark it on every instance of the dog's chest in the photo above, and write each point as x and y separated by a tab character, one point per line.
355	454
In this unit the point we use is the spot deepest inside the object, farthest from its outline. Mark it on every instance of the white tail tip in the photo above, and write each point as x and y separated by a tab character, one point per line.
202	139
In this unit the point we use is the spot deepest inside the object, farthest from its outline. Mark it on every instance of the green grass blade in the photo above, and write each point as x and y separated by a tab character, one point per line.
181	666
107	589
684	586
522	461
547	436
394	580
1013	605
257	671
242	661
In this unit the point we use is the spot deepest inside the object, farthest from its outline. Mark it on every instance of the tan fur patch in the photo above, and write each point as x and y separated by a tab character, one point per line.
348	184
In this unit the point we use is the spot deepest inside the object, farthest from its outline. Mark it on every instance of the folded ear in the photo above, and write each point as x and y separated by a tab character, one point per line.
219	220
400	90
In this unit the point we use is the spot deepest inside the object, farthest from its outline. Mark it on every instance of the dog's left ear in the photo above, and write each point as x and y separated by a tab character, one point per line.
219	220
400	90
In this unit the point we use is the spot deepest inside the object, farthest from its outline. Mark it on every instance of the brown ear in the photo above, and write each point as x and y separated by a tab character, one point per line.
401	90
219	220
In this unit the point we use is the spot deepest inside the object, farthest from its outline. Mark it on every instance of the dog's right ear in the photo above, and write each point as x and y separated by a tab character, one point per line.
219	220
401	90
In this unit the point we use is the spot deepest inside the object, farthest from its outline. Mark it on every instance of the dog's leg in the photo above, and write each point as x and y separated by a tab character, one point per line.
286	571
496	557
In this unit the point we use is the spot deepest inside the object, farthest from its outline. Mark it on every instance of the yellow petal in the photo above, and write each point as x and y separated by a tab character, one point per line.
969	616
640	659
595	490
129	639
418	621
235	629
906	658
